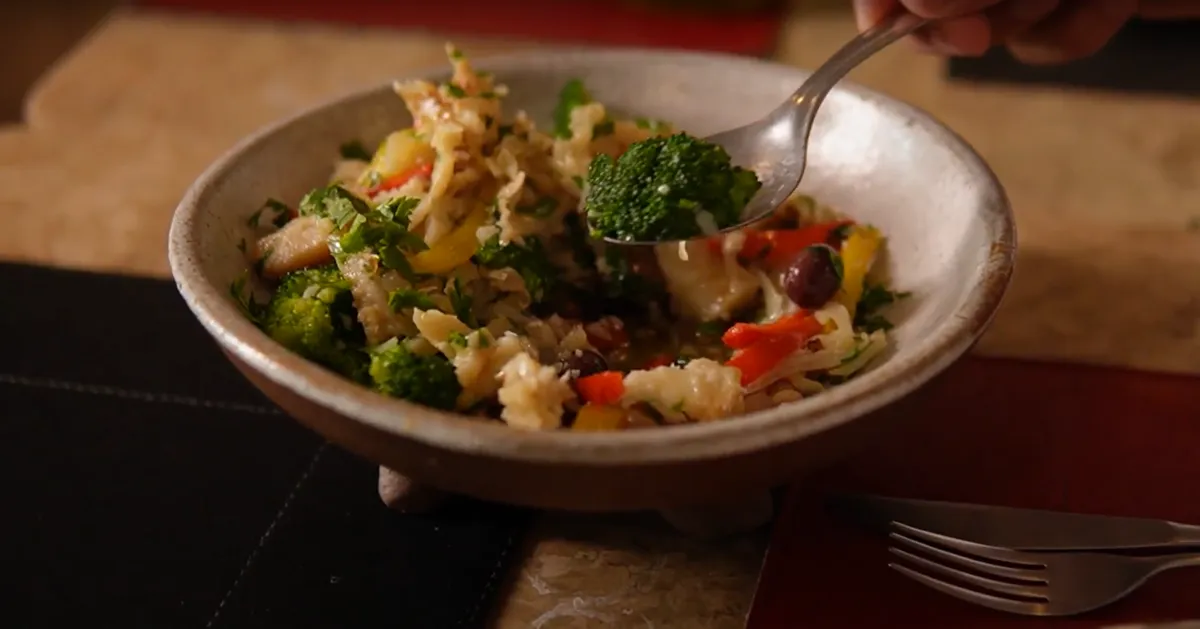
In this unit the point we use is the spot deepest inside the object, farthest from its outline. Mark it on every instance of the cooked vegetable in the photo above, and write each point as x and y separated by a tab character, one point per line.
455	267
299	244
312	313
400	152
858	254
454	249
530	260
354	150
600	418
401	178
572	95
814	277
776	248
633	278
757	359
800	324
666	188
399	372
602	388
582	363
875	298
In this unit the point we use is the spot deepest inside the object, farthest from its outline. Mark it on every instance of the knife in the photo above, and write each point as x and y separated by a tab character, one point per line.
1008	527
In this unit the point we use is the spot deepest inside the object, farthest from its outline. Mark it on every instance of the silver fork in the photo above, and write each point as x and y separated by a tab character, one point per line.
1020	582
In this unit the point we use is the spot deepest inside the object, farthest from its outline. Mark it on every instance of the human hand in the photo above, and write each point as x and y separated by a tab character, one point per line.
1034	31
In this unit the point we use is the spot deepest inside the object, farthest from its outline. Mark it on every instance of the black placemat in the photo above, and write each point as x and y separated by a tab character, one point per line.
146	484
1149	57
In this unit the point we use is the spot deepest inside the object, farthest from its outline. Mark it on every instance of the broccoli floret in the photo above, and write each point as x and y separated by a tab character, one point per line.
530	260
399	372
312	313
656	189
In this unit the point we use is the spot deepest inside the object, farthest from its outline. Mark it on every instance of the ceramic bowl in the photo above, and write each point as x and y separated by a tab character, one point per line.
951	243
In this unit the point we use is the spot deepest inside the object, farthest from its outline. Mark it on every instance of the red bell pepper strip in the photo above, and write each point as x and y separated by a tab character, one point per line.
800	324
662	360
760	358
605	387
778	247
399	179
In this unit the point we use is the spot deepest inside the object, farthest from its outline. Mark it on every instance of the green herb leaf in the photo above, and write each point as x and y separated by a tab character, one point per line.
456	54
603	128
455	91
457	339
244	298
544	207
462	304
282	212
654	126
572	95
261	262
335	203
354	150
530	260
874	298
713	328
402	298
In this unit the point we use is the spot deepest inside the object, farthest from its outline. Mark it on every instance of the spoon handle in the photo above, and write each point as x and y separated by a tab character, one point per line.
888	30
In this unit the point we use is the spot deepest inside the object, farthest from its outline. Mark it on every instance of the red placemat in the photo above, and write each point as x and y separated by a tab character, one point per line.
575	21
1004	432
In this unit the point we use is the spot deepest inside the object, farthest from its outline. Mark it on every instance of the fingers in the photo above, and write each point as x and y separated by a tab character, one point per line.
969	35
961	29
1168	9
1017	16
1076	28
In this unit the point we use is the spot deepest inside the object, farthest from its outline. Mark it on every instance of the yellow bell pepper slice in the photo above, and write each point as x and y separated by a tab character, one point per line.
858	254
600	418
454	249
400	151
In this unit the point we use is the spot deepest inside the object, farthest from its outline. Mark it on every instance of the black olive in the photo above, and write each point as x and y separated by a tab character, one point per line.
581	363
813	277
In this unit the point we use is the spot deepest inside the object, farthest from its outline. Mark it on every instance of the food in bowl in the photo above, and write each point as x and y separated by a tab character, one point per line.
455	267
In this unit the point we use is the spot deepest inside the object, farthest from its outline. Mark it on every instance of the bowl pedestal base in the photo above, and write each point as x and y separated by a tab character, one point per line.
709	521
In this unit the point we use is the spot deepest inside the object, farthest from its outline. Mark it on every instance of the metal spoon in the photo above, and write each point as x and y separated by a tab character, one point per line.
775	146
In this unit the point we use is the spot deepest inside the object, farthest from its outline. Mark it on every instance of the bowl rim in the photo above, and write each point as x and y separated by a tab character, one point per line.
888	382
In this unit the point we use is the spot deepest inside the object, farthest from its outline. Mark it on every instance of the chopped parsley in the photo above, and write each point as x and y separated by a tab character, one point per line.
402	298
283	213
542	208
456	54
714	328
244	298
354	150
457	339
384	230
572	95
455	91
530	260
603	128
461	303
335	203
655	126
874	298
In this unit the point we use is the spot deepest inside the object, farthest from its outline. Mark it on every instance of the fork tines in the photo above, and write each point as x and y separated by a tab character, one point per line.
994	577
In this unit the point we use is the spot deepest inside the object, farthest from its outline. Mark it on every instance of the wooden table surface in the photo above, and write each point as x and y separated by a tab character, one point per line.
1106	188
